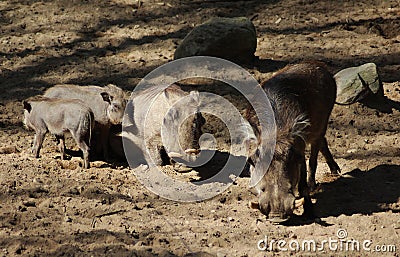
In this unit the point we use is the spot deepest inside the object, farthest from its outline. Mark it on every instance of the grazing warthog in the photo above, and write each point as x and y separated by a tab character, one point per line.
302	97
59	116
107	103
173	111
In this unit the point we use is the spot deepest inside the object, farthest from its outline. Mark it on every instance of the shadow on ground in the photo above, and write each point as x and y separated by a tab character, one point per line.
361	192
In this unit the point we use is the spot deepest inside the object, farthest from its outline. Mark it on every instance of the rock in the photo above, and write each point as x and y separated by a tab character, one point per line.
67	219
29	203
233	39
357	83
8	150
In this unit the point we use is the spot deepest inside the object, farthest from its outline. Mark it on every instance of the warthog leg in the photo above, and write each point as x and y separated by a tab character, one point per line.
104	134
61	145
312	163
83	144
37	142
333	166
305	191
320	145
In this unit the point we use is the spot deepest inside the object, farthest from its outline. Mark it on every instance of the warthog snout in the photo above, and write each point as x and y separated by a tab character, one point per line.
275	205
277	217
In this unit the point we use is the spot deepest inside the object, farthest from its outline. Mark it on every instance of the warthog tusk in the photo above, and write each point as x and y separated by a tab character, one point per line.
192	151
254	205
298	202
174	155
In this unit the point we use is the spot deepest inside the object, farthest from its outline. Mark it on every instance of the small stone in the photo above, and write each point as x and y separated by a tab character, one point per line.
22	208
8	150
37	181
74	191
142	205
67	219
140	243
29	203
351	151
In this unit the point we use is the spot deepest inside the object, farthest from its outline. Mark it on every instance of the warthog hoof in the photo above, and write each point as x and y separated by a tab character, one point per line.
181	168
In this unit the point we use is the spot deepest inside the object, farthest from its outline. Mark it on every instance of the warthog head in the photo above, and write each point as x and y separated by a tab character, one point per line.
181	128
115	97
276	182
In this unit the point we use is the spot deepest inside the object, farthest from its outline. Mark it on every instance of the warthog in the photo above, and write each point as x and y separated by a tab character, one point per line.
107	103
173	113
59	116
302	97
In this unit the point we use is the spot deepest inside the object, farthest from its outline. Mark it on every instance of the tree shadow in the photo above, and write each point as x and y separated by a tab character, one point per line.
371	25
22	82
360	192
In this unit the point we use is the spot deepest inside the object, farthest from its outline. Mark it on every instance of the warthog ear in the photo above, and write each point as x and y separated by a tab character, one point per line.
299	127
250	143
27	106
195	95
171	94
106	97
250	140
112	87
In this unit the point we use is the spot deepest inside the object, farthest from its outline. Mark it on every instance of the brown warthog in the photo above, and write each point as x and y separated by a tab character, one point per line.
59	116
172	114
302	97
107	103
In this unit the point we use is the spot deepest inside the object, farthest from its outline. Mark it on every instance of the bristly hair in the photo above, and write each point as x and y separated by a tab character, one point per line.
114	90
151	93
300	125
290	122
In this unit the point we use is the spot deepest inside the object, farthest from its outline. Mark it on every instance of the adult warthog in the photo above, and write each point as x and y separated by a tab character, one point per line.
302	98
172	111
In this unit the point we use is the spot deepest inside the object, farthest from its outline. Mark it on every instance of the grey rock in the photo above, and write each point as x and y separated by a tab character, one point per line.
357	83
233	39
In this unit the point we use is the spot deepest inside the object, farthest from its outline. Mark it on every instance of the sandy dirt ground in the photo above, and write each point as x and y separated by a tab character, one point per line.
50	207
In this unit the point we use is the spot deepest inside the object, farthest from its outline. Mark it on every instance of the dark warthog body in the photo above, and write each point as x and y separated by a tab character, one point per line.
302	97
59	116
172	110
107	103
